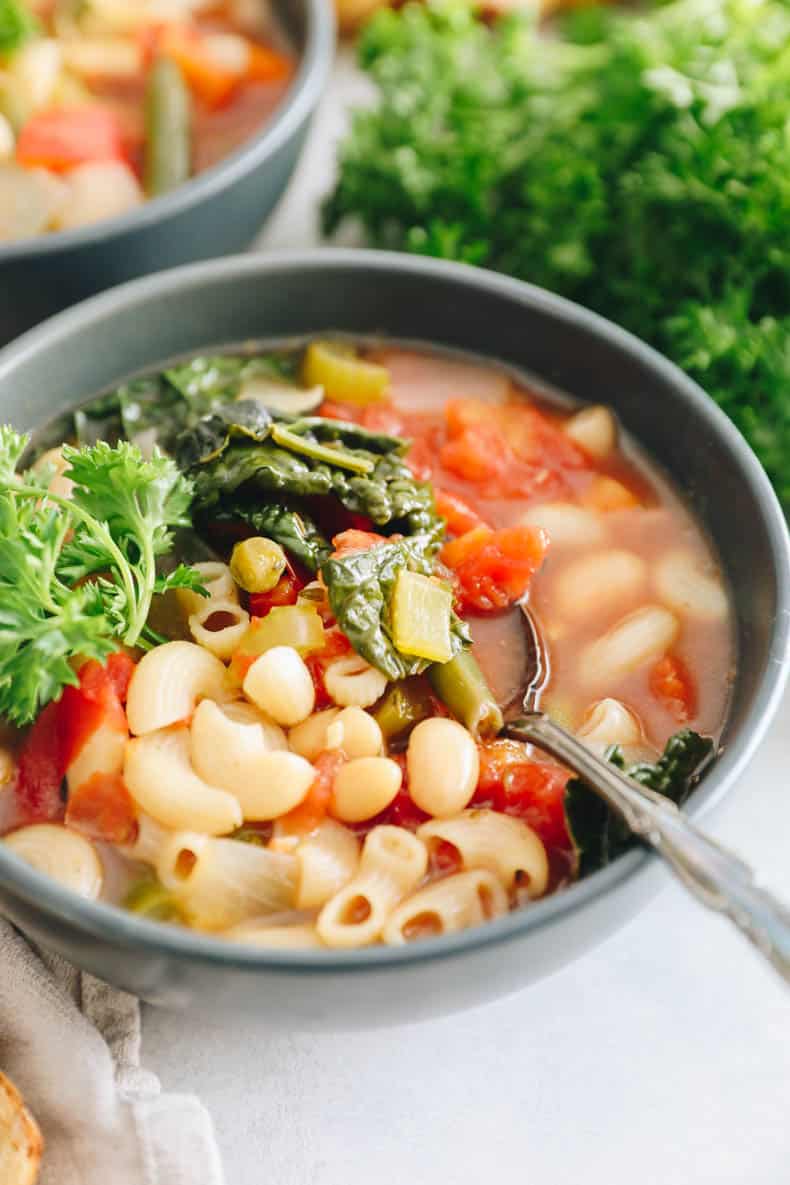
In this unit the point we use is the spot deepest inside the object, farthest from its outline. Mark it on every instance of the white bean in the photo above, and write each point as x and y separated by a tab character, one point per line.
608	722
688	589
636	640
566	525
443	765
594	429
64	855
280	684
364	787
593	584
308	739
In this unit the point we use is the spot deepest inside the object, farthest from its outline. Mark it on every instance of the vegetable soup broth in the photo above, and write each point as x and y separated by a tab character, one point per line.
305	752
658	524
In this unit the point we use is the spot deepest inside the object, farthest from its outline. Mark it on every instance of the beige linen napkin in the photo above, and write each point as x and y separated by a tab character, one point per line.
71	1044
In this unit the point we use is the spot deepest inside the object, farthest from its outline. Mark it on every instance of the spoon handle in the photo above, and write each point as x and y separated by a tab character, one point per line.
717	877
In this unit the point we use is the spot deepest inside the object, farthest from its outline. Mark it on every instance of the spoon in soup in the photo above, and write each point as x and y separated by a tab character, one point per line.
713	874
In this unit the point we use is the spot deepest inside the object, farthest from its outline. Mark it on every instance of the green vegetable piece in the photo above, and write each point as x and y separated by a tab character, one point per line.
421	614
257	564
321	452
298	626
291	528
17	25
461	685
118	521
150	899
404	705
599	836
360	587
167	128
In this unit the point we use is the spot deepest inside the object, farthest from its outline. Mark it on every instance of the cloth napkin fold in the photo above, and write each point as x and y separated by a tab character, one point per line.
71	1045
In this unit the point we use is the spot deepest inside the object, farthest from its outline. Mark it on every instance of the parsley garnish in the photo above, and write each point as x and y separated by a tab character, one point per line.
77	574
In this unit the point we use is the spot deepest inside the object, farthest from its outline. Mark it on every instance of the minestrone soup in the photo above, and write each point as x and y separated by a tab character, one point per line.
268	625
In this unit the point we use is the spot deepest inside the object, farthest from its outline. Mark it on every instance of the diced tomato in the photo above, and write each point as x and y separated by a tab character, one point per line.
459	515
285	592
382	417
494	568
61	731
348	412
314	807
62	138
102	808
213	82
40	772
347	542
421	459
403	810
335	644
530	790
445	858
266	65
672	684
120	668
477	454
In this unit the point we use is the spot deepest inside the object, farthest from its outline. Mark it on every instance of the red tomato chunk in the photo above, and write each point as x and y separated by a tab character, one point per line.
530	790
494	568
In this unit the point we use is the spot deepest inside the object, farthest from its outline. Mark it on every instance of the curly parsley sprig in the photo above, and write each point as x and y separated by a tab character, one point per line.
77	574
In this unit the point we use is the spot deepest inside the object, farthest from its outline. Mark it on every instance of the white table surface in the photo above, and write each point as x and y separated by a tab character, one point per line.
661	1058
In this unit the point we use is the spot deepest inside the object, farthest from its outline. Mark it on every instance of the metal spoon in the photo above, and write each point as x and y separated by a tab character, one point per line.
717	877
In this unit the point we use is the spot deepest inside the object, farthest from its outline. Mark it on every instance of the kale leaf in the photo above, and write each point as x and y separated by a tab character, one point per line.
17	24
287	524
360	587
598	834
638	164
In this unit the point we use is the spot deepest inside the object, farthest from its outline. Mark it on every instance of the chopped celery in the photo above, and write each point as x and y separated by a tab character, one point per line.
404	705
257	564
149	898
299	626
330	454
461	685
421	615
344	377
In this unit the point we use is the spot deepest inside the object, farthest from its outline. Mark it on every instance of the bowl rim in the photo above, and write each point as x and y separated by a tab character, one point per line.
299	100
109	923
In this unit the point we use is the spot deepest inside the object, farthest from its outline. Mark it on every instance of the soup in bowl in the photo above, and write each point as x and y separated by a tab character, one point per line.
279	626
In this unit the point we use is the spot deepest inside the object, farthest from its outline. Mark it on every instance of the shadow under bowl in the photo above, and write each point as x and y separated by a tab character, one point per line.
207	306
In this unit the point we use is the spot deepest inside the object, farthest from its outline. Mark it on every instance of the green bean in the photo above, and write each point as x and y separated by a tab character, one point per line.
461	685
167	131
405	704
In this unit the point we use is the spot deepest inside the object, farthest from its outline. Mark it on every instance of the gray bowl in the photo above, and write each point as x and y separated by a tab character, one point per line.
218	212
209	305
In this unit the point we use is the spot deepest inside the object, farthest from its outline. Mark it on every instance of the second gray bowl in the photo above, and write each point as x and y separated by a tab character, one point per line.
216	213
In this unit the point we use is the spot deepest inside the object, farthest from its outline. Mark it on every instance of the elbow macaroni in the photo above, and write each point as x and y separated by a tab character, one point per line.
159	776
169	682
225	639
503	845
326	861
446	906
392	864
220	882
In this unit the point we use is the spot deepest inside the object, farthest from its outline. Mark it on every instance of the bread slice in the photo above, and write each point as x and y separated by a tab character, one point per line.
20	1140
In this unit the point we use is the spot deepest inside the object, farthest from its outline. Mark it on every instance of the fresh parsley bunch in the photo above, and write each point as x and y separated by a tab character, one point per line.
77	574
639	164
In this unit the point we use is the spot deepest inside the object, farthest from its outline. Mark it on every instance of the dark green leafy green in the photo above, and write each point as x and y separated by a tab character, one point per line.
77	575
599	836
387	492
288	525
640	165
17	24
360	587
